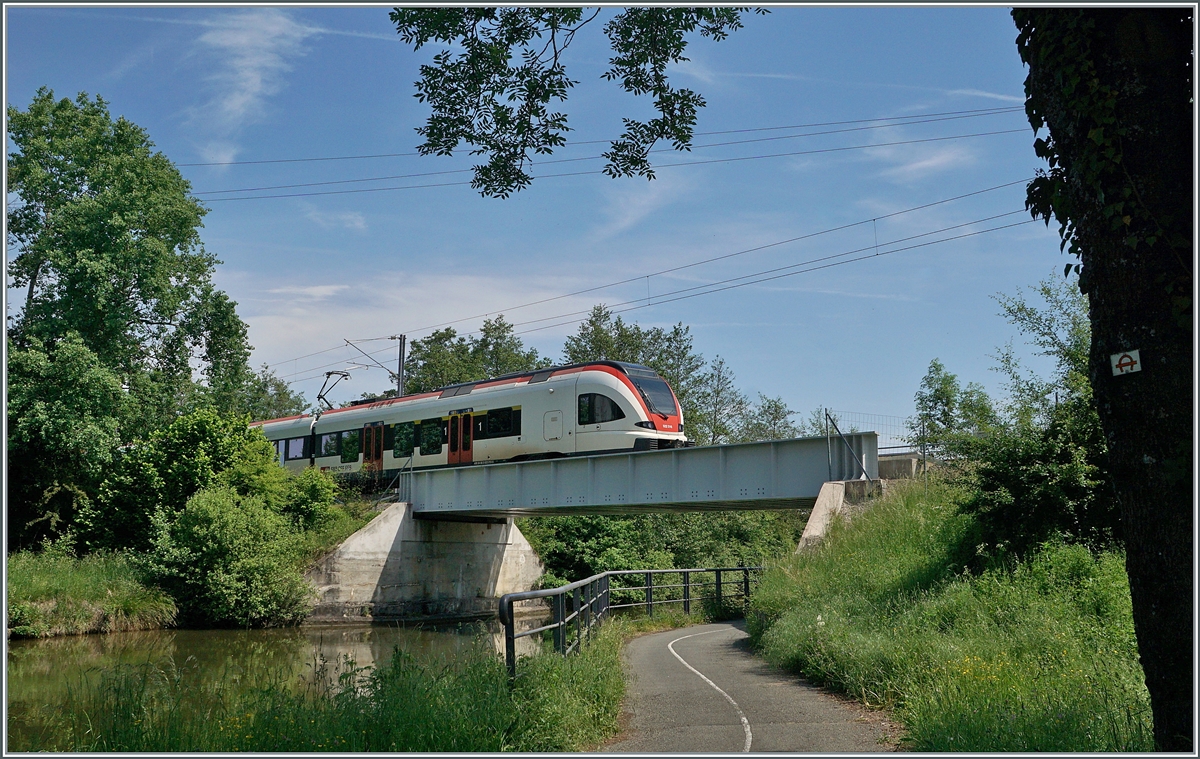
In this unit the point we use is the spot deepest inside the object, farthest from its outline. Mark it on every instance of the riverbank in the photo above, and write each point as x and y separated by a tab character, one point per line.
1031	656
52	592
413	700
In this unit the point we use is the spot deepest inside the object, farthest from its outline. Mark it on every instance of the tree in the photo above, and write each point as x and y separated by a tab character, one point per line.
720	406
266	396
107	247
446	358
946	410
768	419
497	351
62	434
470	92
1114	90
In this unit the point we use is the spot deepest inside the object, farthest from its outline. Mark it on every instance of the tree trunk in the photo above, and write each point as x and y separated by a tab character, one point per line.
1137	274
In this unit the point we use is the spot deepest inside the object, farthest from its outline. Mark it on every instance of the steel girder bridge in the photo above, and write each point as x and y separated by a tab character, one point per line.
779	474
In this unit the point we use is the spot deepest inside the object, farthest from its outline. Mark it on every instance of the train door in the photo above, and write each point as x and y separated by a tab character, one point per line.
372	447
552	425
460	439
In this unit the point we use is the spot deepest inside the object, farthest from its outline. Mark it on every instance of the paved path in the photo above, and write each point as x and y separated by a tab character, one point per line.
701	689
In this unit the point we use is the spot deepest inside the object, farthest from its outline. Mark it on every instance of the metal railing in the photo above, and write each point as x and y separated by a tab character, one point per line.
577	608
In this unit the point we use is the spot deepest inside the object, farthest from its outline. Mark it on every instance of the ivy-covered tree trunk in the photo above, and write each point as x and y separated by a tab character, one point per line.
1115	89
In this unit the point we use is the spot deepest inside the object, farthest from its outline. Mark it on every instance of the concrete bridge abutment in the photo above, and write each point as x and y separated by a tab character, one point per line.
399	567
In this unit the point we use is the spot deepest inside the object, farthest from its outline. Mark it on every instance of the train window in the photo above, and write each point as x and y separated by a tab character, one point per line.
657	394
595	408
466	433
481	429
350	445
500	423
297	448
454	434
431	437
331	444
402	439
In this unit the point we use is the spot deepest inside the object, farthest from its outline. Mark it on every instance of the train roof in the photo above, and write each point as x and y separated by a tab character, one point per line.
464	388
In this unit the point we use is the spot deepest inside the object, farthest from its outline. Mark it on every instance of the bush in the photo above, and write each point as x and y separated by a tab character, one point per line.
1030	484
228	561
1032	655
161	473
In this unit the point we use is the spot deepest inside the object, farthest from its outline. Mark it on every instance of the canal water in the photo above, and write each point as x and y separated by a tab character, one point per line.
45	676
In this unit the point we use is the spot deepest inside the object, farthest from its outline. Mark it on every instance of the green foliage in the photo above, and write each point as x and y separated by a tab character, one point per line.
1031	656
947	412
266	396
502	110
574	547
228	561
720	407
310	497
107	247
62	433
1038	469
768	419
52	592
444	358
162	473
409	704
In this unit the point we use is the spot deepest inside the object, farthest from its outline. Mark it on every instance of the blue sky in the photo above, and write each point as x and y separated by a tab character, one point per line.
223	84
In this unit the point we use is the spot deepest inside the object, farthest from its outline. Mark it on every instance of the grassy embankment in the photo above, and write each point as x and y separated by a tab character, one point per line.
51	592
555	704
1031	656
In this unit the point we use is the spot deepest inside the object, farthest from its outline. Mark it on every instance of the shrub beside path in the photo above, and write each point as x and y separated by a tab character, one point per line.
674	705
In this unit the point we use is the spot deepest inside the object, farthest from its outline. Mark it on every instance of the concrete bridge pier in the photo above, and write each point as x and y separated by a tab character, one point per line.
400	567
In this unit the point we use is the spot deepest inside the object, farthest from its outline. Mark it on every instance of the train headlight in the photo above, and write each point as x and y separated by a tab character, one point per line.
646	425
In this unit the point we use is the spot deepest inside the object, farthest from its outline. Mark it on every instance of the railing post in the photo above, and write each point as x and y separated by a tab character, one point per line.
718	573
560	633
589	597
649	595
578	619
510	640
687	592
745	589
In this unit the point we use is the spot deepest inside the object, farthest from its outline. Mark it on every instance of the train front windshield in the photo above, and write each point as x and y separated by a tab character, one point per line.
657	394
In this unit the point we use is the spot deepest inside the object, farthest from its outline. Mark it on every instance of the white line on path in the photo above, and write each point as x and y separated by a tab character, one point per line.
745	722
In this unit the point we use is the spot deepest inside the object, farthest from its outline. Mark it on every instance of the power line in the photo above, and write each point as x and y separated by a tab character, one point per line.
660	166
793	273
679	268
1000	109
593	157
783	268
744	280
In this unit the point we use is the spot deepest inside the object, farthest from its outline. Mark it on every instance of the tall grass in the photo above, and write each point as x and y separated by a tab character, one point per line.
54	593
409	704
1031	656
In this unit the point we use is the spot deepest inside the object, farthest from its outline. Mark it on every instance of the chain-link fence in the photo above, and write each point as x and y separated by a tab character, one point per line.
892	429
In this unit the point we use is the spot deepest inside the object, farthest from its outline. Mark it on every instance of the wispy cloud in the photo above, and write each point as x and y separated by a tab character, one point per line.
343	220
629	204
310	292
707	75
253	50
985	94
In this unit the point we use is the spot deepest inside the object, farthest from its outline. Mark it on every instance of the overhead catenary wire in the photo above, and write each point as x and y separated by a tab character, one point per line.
535	163
673	269
707	161
741	281
1000	109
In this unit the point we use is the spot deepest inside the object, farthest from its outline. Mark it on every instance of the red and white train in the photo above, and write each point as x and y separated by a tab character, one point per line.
598	407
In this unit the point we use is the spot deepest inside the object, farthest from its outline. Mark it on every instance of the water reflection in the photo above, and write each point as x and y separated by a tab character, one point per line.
44	676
